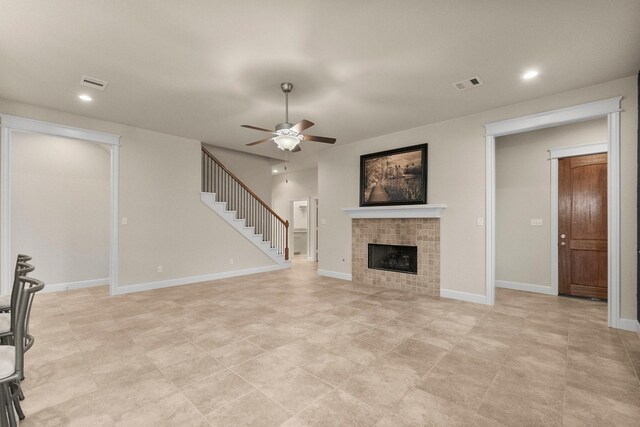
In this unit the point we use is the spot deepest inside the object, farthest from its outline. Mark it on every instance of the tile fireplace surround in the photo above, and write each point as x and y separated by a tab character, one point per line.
421	232
410	225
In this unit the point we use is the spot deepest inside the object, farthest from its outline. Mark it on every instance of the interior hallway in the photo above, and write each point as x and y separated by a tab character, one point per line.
293	348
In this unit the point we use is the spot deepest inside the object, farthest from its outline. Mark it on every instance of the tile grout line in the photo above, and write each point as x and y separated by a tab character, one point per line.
163	319
566	373
633	366
256	388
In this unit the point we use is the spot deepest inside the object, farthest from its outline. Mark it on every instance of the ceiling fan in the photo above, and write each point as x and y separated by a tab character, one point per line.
286	135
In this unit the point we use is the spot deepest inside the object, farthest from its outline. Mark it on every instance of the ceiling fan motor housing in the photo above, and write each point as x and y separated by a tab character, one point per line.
286	87
282	126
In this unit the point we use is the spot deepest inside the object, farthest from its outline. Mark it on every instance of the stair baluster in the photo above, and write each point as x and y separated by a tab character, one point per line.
248	206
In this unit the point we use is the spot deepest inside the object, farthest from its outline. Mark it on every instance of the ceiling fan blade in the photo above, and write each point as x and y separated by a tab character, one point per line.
319	139
296	149
259	142
302	125
256	128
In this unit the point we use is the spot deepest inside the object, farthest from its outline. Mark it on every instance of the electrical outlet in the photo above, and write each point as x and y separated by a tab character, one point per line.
323	221
231	261
159	269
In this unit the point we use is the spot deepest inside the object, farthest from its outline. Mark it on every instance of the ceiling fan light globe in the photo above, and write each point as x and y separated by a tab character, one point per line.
286	142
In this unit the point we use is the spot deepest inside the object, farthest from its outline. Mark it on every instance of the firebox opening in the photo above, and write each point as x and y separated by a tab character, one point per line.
403	259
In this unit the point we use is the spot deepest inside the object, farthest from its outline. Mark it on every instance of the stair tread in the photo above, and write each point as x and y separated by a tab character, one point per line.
240	224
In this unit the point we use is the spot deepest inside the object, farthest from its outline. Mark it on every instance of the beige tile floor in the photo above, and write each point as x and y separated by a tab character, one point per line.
294	349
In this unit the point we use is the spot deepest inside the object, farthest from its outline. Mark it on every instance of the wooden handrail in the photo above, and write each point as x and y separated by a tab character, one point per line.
212	157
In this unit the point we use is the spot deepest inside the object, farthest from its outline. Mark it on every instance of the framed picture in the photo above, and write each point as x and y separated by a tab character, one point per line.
394	177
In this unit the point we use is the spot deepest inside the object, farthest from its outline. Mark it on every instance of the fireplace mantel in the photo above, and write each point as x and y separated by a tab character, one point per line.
402	211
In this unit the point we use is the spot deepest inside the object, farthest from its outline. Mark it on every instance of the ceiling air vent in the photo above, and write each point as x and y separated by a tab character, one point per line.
93	82
466	84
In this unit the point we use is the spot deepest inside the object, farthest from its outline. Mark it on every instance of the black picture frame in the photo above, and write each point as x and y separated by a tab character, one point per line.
394	177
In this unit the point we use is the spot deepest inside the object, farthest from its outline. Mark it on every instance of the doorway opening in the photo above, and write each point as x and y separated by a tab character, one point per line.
60	208
608	109
300	221
12	126
527	239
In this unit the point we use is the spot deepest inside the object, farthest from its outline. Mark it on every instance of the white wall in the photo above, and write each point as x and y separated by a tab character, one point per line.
300	215
523	192
60	207
457	178
253	170
168	224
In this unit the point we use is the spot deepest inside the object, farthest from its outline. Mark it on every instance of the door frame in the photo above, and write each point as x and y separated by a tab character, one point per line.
609	108
316	230
555	154
10	123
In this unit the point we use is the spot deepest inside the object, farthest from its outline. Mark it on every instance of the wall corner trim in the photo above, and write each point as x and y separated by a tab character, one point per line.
463	296
180	281
335	274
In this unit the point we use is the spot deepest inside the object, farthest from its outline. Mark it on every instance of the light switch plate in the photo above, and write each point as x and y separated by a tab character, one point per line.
536	222
124	220
480	221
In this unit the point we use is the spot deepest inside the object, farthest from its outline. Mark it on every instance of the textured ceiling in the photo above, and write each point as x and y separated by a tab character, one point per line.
200	69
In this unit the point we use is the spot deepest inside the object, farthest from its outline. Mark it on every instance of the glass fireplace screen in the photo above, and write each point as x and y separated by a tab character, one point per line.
403	259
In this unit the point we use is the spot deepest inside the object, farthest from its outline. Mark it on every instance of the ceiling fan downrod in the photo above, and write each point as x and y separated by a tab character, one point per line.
286	88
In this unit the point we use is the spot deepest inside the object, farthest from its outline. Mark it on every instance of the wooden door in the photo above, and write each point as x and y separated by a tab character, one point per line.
582	226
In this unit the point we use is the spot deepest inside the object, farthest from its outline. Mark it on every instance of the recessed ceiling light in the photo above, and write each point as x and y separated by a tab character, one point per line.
275	171
530	74
85	97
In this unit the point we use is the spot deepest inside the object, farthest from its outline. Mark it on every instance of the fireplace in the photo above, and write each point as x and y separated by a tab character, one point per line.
402	259
422	234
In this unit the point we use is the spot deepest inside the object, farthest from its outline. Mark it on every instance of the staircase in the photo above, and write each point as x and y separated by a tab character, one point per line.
241	208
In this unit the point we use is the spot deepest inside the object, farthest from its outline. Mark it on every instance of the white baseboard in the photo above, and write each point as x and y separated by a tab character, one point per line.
629	325
334	274
527	287
57	287
138	287
463	296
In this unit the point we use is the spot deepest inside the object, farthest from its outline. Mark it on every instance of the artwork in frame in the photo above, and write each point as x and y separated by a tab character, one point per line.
394	177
